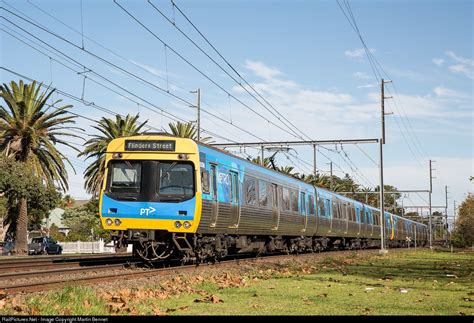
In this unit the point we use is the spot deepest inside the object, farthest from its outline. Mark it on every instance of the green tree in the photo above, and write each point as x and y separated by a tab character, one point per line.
257	160
67	201
83	223
17	182
286	169
96	147
29	133
55	234
463	235
187	130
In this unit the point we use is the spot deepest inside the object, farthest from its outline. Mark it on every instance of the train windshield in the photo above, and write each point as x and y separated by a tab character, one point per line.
150	180
175	180
126	177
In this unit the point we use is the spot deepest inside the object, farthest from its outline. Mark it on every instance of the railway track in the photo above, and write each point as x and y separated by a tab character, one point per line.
14	283
59	258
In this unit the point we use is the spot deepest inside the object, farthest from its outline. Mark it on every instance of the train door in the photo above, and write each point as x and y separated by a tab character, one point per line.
303	210
276	192
214	202
234	200
359	219
370	221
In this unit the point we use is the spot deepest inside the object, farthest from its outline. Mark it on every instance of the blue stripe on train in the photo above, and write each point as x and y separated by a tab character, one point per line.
156	210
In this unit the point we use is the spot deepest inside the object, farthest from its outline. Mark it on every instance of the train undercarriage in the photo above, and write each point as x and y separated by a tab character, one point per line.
197	248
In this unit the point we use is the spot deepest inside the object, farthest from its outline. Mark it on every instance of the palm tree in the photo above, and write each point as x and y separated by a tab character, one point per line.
96	147
29	132
257	160
286	169
186	130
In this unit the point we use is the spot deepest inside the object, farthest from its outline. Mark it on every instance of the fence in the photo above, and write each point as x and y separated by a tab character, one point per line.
89	247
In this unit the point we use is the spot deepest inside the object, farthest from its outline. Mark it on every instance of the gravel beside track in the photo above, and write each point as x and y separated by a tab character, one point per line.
123	274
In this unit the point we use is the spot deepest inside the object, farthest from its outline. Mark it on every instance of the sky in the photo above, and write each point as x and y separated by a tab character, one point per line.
304	60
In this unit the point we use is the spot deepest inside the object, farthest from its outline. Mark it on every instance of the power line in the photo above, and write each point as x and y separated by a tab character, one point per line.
377	74
173	117
115	84
198	70
279	116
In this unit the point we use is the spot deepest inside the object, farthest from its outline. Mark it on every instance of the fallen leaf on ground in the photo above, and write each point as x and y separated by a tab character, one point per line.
209	299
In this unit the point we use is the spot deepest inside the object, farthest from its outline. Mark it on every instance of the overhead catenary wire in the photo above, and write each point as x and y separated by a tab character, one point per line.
122	88
200	71
375	66
279	116
78	64
88	77
93	105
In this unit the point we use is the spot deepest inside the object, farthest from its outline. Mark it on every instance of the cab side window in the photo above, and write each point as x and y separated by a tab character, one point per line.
205	181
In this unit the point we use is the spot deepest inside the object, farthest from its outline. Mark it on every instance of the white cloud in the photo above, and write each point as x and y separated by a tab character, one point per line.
442	91
262	70
150	69
462	65
438	61
463	69
460	59
357	53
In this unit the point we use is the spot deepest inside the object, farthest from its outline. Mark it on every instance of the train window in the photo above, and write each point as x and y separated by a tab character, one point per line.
249	190
126	177
234	189
335	209
176	179
269	194
327	204
285	199
214	182
303	203
311	205
294	200
205	181
262	193
322	206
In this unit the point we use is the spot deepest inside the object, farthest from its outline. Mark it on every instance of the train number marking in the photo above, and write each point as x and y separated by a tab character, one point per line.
223	178
147	211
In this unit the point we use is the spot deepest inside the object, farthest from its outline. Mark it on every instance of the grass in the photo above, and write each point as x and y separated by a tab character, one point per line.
401	283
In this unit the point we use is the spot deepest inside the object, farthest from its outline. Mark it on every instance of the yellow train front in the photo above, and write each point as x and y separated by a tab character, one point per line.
151	193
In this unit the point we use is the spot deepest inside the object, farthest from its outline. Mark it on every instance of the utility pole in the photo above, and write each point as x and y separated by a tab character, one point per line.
381	143
314	161
331	180
429	215
198	106
382	211
446	213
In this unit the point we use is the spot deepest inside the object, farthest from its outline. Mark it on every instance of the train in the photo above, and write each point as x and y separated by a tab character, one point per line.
175	198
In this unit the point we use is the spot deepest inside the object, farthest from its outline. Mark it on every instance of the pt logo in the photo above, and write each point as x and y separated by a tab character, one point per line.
147	211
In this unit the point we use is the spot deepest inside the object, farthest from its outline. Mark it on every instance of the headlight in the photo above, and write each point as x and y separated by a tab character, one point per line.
108	221
177	224
187	225
117	222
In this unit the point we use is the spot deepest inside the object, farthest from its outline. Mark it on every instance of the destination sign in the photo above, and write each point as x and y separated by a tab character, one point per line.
150	145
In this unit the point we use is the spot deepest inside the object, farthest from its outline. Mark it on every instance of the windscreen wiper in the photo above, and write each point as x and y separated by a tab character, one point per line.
167	171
